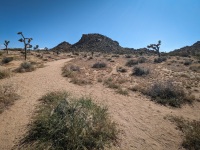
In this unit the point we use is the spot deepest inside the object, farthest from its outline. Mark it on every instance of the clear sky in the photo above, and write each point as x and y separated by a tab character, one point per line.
133	23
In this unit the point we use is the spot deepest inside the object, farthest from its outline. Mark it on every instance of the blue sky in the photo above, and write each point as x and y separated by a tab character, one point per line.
133	23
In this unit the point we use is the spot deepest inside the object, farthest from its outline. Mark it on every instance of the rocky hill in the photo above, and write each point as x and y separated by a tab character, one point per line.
193	50
97	42
64	46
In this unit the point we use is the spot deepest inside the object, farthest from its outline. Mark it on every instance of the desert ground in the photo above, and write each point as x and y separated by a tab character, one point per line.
143	124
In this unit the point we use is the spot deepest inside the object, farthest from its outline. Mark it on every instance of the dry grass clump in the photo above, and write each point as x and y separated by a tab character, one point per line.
122	91
195	68
160	59
6	60
4	73
75	74
121	69
191	130
142	59
7	96
131	63
80	81
187	62
128	56
70	71
110	84
139	71
167	93
99	65
25	67
65	123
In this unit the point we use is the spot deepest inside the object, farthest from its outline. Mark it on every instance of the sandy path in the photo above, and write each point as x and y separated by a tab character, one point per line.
140	120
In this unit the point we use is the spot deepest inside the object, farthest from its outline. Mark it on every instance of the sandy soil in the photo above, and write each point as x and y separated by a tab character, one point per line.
141	121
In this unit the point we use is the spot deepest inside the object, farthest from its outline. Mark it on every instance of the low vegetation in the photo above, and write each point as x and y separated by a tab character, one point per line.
6	60
4	73
69	71
160	59
195	68
99	65
191	130
167	93
121	69
79	81
131	63
110	84
142	60
25	67
139	71
122	91
7	96
65	123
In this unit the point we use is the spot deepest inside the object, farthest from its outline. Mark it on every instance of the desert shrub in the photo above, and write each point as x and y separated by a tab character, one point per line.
131	62
74	68
187	62
122	91
1	53
138	71
99	65
195	68
7	96
115	55
4	73
191	130
80	81
128	56
69	71
6	60
65	123
160	59
167	93
89	58
121	69
110	84
25	67
142	59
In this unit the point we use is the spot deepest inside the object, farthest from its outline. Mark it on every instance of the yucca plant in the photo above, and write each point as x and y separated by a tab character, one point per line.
26	42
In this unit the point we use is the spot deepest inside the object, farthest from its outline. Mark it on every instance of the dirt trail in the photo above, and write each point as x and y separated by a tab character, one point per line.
140	120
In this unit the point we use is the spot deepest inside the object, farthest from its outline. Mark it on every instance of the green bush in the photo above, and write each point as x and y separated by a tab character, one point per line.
63	123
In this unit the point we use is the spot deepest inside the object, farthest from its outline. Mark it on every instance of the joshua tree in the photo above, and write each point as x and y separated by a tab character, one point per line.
155	47
26	42
6	45
46	49
36	47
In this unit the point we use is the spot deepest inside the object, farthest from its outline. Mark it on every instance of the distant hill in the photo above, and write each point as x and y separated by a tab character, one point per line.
99	43
64	46
193	50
